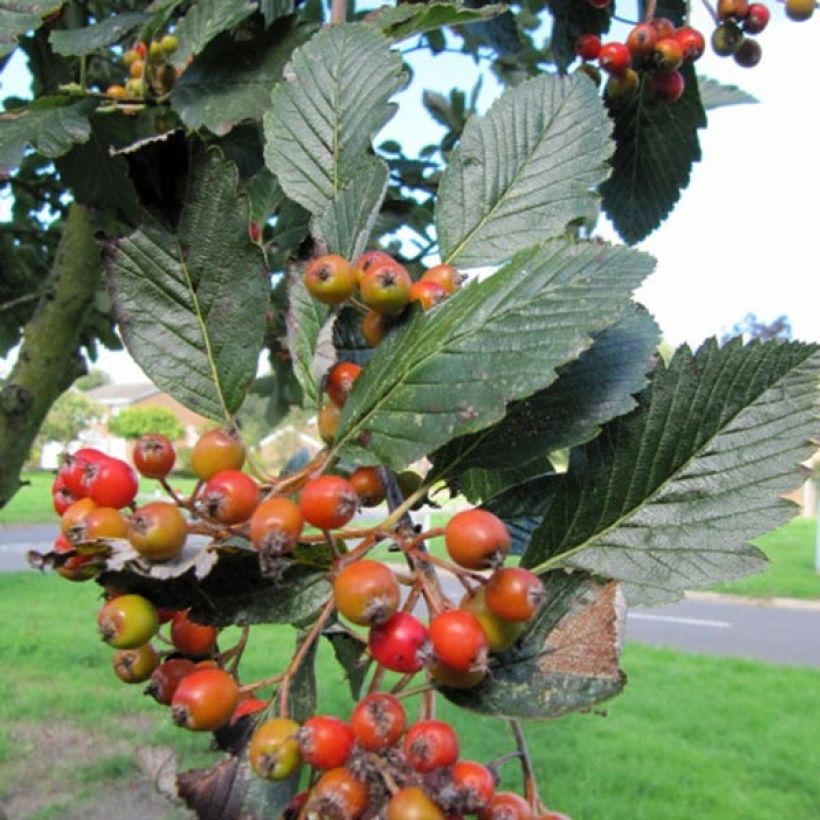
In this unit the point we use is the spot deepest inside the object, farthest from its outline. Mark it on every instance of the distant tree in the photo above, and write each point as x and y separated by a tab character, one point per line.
94	378
70	414
752	327
136	421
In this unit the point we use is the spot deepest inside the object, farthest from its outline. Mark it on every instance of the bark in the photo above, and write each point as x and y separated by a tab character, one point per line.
49	359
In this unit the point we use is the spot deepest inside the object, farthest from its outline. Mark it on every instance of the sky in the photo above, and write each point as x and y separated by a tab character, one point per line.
741	239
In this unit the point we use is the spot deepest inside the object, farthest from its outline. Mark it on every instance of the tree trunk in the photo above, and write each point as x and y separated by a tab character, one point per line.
49	359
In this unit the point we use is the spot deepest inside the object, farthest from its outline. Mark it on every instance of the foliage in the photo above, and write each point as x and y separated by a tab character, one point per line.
69	415
133	422
94	378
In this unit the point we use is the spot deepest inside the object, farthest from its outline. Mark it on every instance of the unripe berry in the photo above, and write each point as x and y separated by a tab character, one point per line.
128	621
799	10
330	279
386	287
726	39
135	665
215	451
274	749
623	85
158	531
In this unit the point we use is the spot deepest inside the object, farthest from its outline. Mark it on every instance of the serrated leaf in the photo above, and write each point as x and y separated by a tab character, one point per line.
595	388
205	20
274	9
81	41
656	146
348	221
231	80
323	119
304	322
409	20
524	171
570	20
452	371
292	227
191	306
567	660
716	95
668	497
49	125
23	16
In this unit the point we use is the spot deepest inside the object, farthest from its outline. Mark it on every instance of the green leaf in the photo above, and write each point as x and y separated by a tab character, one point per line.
715	95
274	9
412	19
351	652
570	20
567	660
305	319
191	306
204	21
323	119
595	388
668	497
348	221
452	371
49	125
22	16
656	145
292	227
81	41
231	80
524	171
234	591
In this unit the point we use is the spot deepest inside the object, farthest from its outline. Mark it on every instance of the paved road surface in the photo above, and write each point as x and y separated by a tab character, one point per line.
779	634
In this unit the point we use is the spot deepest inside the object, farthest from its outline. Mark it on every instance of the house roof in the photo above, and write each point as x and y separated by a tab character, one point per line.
122	393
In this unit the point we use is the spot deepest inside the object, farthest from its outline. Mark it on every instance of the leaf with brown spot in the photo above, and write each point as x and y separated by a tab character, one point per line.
568	659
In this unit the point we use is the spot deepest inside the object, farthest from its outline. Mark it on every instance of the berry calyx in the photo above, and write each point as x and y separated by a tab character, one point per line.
205	700
330	279
328	502
477	539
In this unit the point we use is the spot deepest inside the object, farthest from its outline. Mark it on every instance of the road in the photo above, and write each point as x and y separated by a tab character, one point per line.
785	634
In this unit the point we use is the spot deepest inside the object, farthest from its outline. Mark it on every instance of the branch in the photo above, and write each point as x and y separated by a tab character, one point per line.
338	12
49	359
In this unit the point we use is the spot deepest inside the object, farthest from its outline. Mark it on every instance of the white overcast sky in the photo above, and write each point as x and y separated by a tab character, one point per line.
742	238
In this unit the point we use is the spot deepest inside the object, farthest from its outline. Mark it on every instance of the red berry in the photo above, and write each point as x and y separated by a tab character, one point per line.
599	4
588	46
229	497
757	18
215	451
330	279
400	643
166	677
369	486
428	294
325	741
430	745
190	637
337	793
111	483
158	531
477	539
475	784
664	26
614	57
205	700
458	640
642	40
507	806
328	502
691	42
514	594
668	54
366	592
73	467
413	803
340	381
370	258
276	525
154	455
378	721
247	706
667	88
446	275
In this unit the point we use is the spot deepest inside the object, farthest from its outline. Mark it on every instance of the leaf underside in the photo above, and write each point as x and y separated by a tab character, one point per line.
409	20
82	41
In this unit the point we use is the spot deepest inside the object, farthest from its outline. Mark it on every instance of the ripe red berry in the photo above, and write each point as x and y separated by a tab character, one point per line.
191	637
386	287
477	539
458	640
667	88
378	721
110	483
366	592
247	706
369	486
427	294
664	26
614	57
500	633
158	531
229	497
514	593
692	43
642	40
205	700
276	525
273	751
325	741
215	451
328	502
507	806
337	793
154	455
413	803
475	785
127	621
401	643
430	745
330	279
757	18
446	275
166	677
340	379
73	467
588	46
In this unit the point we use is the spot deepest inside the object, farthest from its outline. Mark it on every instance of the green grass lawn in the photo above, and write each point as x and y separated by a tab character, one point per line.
791	574
690	737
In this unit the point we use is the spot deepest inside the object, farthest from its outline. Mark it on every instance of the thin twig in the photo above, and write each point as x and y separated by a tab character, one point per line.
338	12
530	787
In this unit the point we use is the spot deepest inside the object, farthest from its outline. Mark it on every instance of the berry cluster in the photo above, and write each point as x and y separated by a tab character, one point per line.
148	67
373	759
379	284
